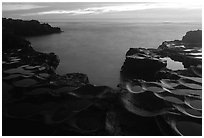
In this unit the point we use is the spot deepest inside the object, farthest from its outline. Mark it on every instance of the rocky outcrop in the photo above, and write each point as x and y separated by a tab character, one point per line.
150	100
37	98
14	31
12	41
193	38
142	63
28	28
183	50
150	89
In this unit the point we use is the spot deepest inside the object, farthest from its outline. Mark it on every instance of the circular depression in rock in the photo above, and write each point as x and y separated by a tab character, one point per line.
25	83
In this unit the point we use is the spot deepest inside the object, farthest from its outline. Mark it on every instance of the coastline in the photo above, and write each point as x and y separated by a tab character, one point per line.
100	101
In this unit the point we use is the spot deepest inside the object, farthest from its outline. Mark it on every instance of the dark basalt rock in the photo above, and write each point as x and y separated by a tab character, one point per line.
193	38
142	63
14	31
176	56
190	40
178	52
72	80
28	28
173	97
171	44
12	41
35	96
174	100
68	101
150	100
14	58
187	50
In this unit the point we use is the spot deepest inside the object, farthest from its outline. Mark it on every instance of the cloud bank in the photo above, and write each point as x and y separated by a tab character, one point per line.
120	8
19	6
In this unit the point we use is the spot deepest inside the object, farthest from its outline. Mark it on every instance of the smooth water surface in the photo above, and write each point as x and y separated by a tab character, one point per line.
98	48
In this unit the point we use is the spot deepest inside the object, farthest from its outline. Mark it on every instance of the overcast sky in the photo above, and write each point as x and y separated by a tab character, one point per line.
156	11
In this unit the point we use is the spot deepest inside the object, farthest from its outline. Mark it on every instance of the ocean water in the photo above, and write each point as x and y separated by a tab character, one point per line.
98	48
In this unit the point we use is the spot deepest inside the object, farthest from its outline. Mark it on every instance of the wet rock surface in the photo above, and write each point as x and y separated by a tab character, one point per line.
173	97
142	63
38	102
54	103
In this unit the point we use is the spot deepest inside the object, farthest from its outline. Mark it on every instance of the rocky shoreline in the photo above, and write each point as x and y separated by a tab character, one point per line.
150	100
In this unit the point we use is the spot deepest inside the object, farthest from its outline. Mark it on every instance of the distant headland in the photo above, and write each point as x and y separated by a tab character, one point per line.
28	27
